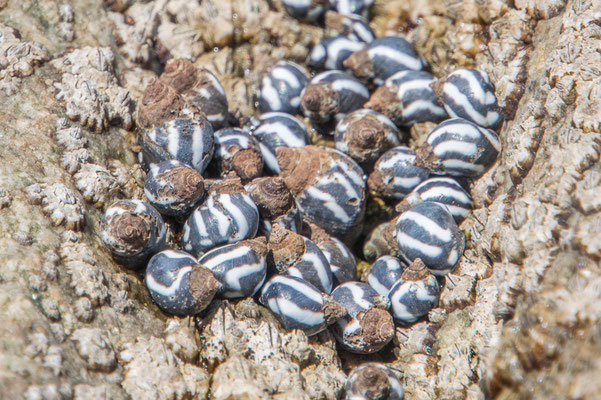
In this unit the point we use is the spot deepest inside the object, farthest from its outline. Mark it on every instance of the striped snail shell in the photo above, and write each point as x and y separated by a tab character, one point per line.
178	285
428	231
328	186
133	230
415	294
291	254
236	151
330	52
384	273
240	268
281	88
354	27
299	305
367	326
228	215
342	261
174	188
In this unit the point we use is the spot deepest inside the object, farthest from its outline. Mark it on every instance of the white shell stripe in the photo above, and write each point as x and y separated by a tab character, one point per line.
233	276
234	251
399	57
429	250
353	86
330	203
311	294
320	269
293	311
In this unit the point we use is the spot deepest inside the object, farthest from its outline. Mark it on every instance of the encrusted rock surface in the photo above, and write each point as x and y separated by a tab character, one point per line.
519	318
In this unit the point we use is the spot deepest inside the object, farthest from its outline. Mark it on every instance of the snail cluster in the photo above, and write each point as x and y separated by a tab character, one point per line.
260	211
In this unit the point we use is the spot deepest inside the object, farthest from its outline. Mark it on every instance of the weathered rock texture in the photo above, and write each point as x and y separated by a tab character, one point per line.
519	318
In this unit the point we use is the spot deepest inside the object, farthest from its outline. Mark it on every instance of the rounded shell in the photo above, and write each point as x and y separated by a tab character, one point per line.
384	273
281	88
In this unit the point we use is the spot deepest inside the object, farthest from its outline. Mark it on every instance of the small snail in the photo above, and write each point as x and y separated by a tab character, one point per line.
308	10
228	215
396	174
291	254
275	203
364	135
384	273
384	57
342	261
371	381
174	188
352	7
178	284
236	151
332	94
415	294
330	52
133	230
428	231
189	140
328	186
441	190
367	326
281	88
407	98
240	268
469	94
460	148
299	305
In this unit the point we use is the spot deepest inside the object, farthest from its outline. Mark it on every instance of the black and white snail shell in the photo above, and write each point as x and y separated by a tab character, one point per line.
384	273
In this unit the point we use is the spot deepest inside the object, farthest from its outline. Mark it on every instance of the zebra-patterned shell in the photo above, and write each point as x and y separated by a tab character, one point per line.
228	215
330	52
331	95
350	7
445	191
429	232
364	135
367	326
199	88
383	58
407	98
354	27
308	10
281	88
183	139
291	254
237	151
342	262
460	148
240	268
299	305
178	285
329	188
373	381
174	188
469	94
414	295
384	273
396	173
133	230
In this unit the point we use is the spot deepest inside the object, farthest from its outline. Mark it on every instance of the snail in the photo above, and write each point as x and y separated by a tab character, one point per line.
238	152
352	7
228	215
407	98
189	140
469	94
414	294
441	190
428	231
365	135
332	94
291	254
299	305
178	285
240	268
396	173
384	57
308	10
459	147
281	88
330	52
367	326
354	27
173	188
133	230
342	261
328	186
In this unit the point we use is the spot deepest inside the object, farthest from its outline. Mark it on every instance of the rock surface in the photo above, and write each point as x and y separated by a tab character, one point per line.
519	318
